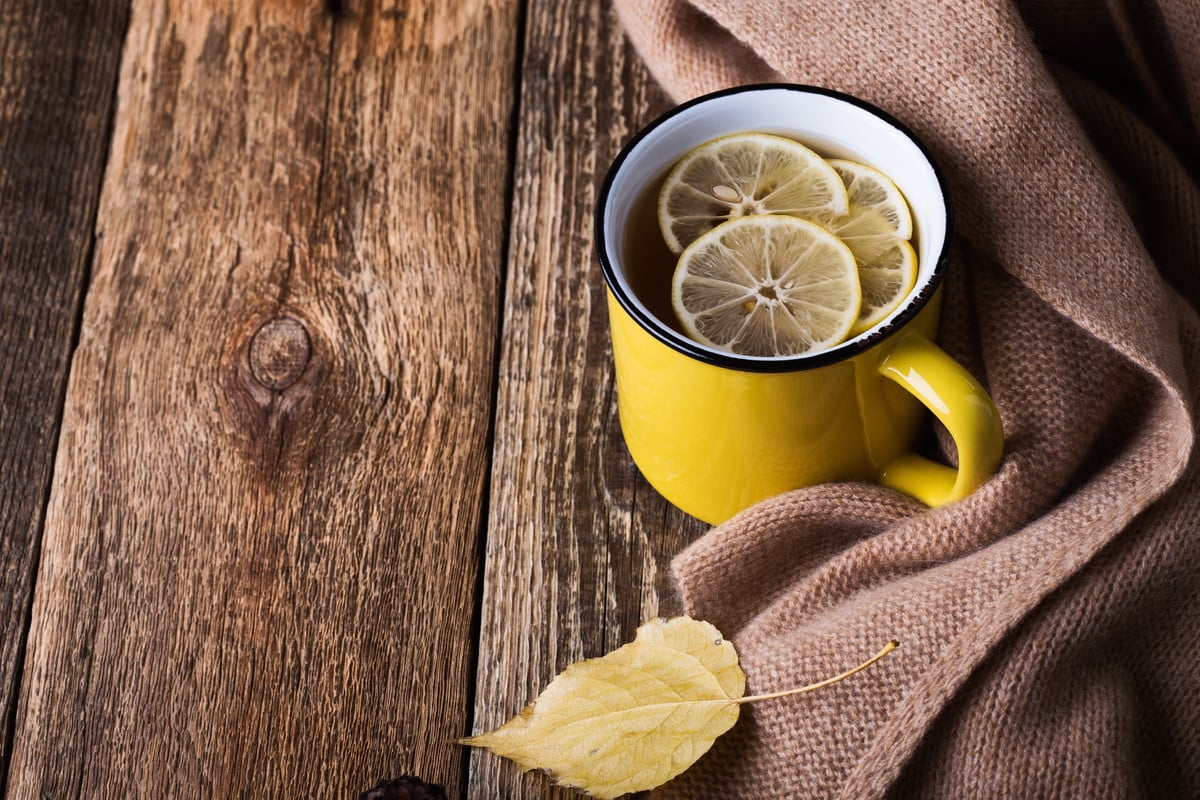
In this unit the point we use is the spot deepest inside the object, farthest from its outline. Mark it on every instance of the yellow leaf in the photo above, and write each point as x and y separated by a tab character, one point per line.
637	717
632	719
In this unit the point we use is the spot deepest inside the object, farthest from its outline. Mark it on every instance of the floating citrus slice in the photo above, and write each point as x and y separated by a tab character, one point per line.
746	174
767	286
886	281
876	228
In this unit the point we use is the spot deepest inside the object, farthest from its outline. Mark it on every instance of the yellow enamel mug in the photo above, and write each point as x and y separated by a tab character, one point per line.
715	432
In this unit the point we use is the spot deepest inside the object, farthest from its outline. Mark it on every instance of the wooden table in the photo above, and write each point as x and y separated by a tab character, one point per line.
309	456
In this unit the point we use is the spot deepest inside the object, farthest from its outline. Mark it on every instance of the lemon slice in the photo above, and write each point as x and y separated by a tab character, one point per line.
876	228
886	280
767	286
742	175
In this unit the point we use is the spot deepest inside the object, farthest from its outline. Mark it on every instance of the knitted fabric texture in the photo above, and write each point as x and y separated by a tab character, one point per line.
1046	622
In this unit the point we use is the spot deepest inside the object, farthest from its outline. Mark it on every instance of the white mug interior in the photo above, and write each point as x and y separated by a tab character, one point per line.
833	125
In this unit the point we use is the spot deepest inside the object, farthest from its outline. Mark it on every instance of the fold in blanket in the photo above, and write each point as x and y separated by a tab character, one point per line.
1047	621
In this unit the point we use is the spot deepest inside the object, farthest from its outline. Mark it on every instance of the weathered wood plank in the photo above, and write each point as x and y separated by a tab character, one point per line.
578	542
58	74
261	546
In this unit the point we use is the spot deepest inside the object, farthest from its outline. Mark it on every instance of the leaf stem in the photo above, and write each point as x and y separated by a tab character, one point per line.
889	647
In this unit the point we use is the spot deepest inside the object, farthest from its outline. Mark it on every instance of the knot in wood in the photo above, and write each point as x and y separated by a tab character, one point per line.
279	353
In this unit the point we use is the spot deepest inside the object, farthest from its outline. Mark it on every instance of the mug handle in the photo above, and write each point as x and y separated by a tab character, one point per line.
946	388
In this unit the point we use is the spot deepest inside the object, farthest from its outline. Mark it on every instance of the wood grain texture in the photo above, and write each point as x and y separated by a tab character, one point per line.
261	546
578	543
58	73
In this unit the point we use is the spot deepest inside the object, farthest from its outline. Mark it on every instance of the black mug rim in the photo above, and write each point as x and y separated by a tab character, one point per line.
662	333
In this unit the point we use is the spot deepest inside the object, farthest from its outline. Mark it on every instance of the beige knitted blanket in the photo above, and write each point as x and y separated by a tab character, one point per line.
1048	623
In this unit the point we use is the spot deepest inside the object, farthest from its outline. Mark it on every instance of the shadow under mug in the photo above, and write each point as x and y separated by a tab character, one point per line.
715	432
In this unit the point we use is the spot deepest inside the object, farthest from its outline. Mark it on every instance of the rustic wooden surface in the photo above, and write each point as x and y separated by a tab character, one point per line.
337	476
58	76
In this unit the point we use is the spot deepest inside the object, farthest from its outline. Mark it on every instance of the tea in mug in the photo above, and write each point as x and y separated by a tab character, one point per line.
756	245
651	264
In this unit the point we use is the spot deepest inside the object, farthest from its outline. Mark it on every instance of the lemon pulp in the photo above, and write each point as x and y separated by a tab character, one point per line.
767	285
